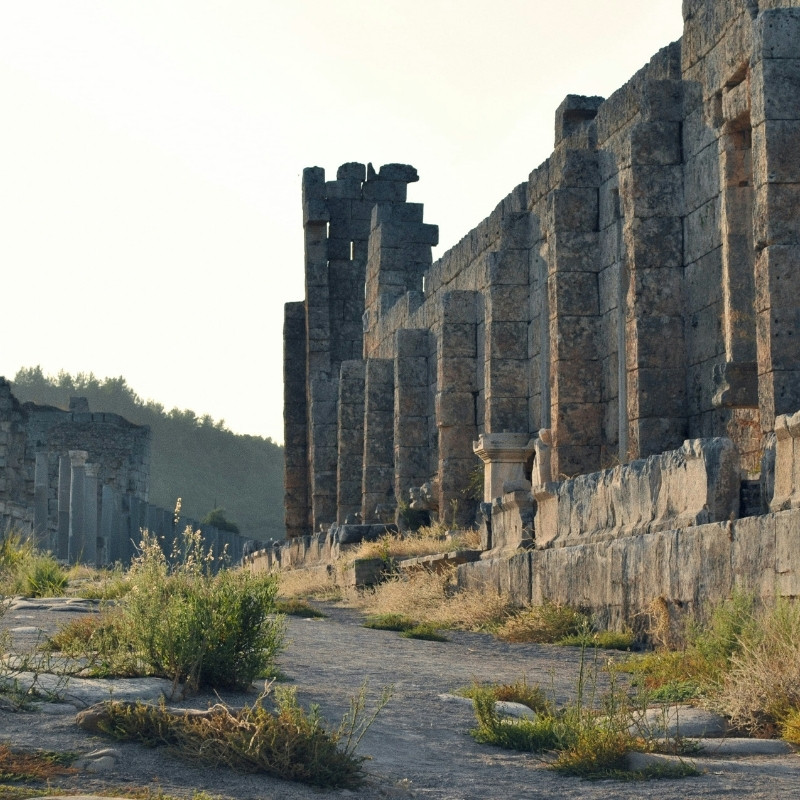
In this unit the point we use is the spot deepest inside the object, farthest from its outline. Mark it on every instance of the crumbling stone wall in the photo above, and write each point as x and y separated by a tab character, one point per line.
636	291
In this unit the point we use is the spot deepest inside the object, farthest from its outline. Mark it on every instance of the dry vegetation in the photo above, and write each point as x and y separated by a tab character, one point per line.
426	541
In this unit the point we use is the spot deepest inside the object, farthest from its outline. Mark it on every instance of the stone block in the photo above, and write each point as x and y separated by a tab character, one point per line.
454	408
574	252
777	276
507	339
576	385
352	171
457	372
655	342
515	233
574	338
397	172
572	210
662	100
412	432
507	267
778	334
506	377
509	303
652	191
701	231
385	191
656	392
776	220
506	414
657	292
574	169
775	153
457	340
655	143
572	293
574	112
775	89
702	177
411	401
345	189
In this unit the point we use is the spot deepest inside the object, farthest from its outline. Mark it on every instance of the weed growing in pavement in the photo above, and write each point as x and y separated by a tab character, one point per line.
287	742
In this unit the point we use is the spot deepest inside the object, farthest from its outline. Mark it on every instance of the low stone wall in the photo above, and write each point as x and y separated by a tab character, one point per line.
697	484
684	570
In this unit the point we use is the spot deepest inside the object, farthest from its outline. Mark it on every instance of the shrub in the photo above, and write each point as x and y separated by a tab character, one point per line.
425	631
520	691
189	624
545	624
42	576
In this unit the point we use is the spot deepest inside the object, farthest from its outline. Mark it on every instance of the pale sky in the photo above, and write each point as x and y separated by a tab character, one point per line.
151	154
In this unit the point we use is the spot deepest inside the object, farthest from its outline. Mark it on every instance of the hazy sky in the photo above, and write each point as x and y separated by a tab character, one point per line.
151	154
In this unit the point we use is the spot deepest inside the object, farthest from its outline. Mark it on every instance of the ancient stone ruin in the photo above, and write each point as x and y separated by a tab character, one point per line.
78	483
617	343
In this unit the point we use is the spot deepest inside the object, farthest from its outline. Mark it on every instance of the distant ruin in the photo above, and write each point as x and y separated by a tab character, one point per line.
78	482
618	342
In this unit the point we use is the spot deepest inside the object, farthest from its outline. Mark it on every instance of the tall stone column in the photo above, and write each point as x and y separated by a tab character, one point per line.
64	492
41	488
775	90
90	514
456	403
507	313
350	461
77	498
109	514
651	191
412	409
378	477
574	308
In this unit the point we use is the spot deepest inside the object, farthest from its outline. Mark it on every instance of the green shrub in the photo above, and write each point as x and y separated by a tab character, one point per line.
389	622
196	627
42	576
425	631
520	691
610	640
545	624
297	608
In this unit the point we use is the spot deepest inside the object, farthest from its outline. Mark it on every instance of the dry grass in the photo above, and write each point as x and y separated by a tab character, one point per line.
38	766
545	624
429	597
427	541
318	583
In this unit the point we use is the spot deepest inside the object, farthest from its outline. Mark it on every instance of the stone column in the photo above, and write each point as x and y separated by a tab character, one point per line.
90	514
77	521
651	190
295	477
507	312
378	476
456	403
62	532
775	89
350	461
504	456
412	408
41	488
109	514
575	323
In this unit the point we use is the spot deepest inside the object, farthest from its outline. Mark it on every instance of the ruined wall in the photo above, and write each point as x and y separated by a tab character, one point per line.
637	290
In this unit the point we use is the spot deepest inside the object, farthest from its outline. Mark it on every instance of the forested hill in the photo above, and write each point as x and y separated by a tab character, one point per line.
194	458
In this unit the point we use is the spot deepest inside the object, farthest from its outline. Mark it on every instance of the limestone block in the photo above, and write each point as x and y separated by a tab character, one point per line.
507	303
575	252
697	134
572	209
313	183
515	231
412	431
655	343
457	340
701	232
702	177
574	337
507	339
574	169
459	372
776	220
452	407
385	191
787	555
506	377
507	267
344	189
512	525
648	191
505	413
578	386
662	100
775	89
777	274
573	113
658	292
655	143
396	172
752	542
573	293
776	158
351	171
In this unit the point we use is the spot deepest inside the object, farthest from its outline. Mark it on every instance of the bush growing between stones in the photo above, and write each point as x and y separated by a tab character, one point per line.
548	623
28	571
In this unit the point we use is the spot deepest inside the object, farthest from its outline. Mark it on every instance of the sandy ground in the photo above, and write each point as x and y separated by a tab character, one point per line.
419	746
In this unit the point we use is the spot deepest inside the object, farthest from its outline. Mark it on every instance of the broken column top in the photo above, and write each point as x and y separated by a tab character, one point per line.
575	110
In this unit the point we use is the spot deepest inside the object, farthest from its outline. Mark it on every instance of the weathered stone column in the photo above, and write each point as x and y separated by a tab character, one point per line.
378	476
573	304
295	453
41	488
456	403
775	88
504	456
322	450
62	532
507	312
90	514
109	514
77	500
651	191
350	462
412	409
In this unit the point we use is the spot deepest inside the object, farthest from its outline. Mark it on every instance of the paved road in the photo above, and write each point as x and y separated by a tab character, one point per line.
419	745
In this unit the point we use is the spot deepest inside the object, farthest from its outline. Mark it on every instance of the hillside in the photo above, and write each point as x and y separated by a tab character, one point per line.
195	458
